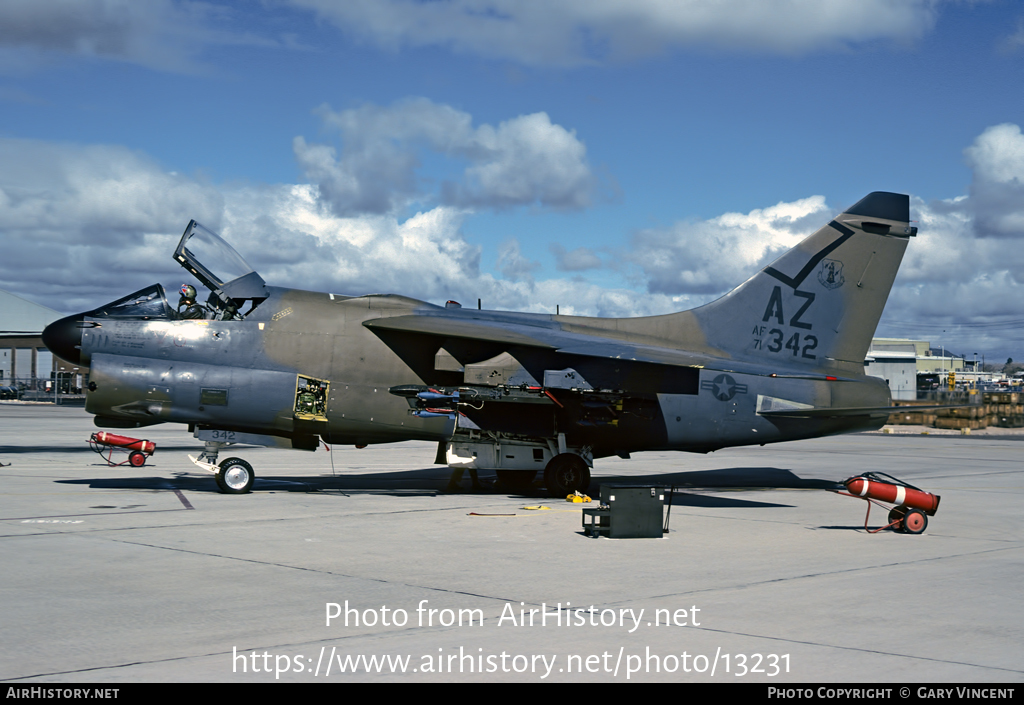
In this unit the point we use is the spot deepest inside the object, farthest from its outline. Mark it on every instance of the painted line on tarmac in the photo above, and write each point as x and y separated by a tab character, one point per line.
96	514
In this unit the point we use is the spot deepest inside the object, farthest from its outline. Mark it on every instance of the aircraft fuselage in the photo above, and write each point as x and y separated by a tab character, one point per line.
242	375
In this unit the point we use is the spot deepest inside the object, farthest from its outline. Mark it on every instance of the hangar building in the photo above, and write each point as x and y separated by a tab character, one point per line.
23	357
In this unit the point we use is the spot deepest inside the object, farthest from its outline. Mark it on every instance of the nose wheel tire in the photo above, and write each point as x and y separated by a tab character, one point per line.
235	476
565	474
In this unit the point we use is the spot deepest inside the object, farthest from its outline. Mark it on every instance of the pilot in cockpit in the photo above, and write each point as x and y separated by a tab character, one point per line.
192	310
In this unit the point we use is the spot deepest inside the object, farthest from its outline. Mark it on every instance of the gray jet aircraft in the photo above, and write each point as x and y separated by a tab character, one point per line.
781	357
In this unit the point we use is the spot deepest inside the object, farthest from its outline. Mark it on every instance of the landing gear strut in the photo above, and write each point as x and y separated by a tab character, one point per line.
233	476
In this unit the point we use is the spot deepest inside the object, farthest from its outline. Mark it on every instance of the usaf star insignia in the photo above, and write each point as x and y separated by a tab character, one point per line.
724	387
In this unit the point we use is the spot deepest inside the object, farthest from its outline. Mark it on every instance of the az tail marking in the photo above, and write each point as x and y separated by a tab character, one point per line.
774	308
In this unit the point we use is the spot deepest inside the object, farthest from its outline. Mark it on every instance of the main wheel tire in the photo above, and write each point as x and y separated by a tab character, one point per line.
565	474
516	480
137	458
915	522
897	514
235	476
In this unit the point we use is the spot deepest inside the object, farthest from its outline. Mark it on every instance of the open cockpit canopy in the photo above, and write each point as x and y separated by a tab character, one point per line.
220	268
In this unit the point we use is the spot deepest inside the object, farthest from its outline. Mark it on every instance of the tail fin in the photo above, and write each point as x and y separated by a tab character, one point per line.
818	304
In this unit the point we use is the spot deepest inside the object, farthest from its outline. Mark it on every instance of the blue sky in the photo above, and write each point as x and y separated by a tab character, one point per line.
609	157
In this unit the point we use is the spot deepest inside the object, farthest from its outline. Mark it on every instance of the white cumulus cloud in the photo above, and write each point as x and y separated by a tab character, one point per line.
526	160
81	225
162	34
577	260
997	191
713	256
575	32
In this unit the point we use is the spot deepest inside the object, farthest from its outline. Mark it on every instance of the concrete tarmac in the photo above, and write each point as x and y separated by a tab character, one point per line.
121	574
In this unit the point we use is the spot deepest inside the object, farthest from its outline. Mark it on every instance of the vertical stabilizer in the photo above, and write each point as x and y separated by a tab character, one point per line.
819	304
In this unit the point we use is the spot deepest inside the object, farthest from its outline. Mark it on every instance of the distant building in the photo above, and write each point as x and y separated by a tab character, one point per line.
895	361
900	361
23	356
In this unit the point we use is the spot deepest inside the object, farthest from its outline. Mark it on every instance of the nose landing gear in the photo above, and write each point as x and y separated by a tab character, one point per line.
233	476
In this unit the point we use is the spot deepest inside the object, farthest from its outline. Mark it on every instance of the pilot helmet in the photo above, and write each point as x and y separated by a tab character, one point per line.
188	292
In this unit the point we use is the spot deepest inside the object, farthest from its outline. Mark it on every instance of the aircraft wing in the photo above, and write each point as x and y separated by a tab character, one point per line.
552	337
475	329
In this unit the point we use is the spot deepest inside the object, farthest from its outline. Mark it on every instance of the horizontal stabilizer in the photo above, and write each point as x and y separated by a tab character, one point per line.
844	412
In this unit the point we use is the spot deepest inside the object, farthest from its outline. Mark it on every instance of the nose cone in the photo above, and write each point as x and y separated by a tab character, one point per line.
64	338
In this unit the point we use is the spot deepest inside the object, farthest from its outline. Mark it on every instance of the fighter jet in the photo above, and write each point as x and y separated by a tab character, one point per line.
781	357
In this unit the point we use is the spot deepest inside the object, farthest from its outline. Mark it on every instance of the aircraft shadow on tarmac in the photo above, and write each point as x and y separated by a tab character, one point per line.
432	481
741	478
21	450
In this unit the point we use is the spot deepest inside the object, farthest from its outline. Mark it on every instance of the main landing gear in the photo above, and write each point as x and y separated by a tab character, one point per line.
517	460
566	473
233	476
